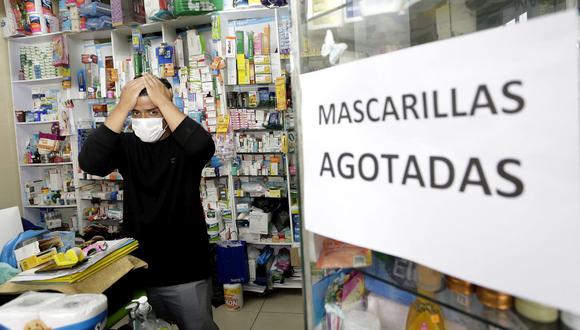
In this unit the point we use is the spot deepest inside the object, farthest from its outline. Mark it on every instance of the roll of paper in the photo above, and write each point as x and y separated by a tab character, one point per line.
26	308
37	23
33	6
82	311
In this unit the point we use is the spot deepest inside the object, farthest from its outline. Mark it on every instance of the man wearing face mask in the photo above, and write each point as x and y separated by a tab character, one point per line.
161	164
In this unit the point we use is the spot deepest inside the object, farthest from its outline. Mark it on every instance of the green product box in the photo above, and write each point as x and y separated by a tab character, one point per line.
240	42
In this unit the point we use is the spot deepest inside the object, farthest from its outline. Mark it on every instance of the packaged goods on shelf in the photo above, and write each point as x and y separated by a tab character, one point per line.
259	142
158	10
189	8
257	165
55	188
127	12
250	64
102	190
36	61
47	148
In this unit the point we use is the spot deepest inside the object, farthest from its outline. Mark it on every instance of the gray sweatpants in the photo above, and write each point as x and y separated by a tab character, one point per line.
187	305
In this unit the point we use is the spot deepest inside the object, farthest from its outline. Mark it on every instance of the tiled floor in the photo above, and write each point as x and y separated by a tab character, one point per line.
281	310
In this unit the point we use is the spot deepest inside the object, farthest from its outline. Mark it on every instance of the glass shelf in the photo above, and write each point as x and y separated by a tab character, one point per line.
457	307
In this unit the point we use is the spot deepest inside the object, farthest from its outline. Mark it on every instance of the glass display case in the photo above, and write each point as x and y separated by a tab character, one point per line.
348	287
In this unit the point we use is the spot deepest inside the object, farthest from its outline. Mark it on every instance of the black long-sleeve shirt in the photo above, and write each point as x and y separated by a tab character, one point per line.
161	206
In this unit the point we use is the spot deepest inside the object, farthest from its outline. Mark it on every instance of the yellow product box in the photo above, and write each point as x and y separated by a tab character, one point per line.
252	71
263	79
261	59
239	193
274	193
263	68
37	260
281	93
243	69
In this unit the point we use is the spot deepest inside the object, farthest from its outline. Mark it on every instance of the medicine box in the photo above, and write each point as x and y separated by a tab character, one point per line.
263	69
261	59
260	222
263	79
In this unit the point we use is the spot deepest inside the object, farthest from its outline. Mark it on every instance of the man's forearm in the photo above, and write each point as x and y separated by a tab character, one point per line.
116	120
172	115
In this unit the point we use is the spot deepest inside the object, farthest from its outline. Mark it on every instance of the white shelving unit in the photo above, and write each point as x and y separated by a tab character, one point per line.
77	43
119	42
228	28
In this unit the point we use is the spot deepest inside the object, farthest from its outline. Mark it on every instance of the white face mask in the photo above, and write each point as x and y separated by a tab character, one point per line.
148	129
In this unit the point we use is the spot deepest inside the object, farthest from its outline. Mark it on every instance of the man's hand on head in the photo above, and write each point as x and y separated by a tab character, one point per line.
156	90
130	94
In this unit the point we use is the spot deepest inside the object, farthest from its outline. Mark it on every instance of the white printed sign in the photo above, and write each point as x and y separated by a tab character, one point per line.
462	155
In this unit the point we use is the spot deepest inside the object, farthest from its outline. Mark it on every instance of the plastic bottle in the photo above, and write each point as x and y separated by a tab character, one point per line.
142	316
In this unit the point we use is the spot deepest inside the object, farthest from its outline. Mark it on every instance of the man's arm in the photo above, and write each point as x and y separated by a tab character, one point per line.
194	139
97	155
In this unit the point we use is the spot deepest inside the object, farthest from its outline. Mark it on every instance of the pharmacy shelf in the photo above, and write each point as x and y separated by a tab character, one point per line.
260	153
106	222
101	179
274	243
251	287
46	164
50	206
257	129
249	12
97	99
258	176
248	196
214	177
33	39
90	35
39	81
250	86
289	283
36	122
178	23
